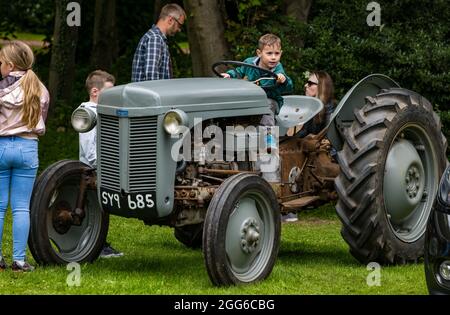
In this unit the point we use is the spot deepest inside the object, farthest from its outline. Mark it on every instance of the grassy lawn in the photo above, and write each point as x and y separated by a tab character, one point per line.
25	36
313	259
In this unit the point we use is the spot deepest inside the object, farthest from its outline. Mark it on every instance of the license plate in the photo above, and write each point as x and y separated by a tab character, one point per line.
145	200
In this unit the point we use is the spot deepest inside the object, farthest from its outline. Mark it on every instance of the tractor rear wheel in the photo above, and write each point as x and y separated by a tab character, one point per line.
391	162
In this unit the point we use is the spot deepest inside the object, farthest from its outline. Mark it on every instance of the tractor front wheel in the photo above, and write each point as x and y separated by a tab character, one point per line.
241	232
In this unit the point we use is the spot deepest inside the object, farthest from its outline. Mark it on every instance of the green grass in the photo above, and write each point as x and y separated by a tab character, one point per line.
25	36
313	259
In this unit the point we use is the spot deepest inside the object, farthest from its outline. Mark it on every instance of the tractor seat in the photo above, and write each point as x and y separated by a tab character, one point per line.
297	110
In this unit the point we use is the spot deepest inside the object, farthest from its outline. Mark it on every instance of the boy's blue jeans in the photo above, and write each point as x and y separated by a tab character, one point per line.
18	167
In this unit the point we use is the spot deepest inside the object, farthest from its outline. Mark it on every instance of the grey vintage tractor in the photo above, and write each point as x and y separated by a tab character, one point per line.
154	165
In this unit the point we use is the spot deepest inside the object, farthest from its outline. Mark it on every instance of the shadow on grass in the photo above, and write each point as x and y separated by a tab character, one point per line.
158	264
326	254
188	261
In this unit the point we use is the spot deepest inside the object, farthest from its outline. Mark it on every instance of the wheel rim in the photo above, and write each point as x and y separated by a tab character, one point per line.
249	236
410	182
73	243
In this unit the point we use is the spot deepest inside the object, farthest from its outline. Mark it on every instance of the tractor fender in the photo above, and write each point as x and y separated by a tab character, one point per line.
343	115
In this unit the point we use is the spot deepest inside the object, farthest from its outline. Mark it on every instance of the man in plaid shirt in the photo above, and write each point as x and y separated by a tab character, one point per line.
152	58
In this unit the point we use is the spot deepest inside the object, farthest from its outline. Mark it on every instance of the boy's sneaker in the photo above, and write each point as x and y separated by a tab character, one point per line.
290	217
21	266
108	252
3	264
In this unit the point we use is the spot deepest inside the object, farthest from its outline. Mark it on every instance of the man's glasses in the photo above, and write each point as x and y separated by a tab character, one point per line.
176	20
310	83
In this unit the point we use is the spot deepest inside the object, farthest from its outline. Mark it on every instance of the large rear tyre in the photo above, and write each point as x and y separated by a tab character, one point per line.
391	162
53	239
241	232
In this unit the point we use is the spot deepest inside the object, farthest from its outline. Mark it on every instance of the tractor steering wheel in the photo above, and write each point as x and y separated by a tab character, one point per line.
266	74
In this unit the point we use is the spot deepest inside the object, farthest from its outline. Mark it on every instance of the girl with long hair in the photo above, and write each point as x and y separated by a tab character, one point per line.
23	109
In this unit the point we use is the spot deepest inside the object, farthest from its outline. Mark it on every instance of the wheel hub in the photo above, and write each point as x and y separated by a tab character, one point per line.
404	181
62	217
250	235
413	182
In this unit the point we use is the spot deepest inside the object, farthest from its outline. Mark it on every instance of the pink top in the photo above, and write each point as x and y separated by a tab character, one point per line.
11	101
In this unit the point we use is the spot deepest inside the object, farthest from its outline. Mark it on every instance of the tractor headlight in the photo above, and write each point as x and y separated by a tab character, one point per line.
83	119
443	195
173	120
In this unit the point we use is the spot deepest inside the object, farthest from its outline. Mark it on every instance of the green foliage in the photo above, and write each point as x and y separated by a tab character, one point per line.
412	46
246	8
27	15
58	143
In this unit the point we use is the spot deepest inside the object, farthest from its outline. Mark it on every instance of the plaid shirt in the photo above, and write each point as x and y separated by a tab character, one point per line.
152	59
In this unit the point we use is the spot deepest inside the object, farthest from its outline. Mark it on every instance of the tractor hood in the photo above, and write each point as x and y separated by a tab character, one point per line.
189	95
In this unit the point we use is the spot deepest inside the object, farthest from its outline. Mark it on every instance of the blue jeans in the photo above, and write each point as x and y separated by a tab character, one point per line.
18	167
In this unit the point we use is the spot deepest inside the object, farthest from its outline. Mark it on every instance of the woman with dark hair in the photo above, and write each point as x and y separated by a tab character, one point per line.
319	85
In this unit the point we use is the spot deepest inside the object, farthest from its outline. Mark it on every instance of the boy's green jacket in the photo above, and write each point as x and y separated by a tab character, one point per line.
252	74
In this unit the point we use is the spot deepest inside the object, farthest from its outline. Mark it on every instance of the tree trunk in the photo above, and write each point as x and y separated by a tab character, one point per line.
206	34
298	9
105	45
62	64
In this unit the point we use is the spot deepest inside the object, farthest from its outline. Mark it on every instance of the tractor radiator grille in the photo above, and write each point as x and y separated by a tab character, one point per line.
109	152
142	154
